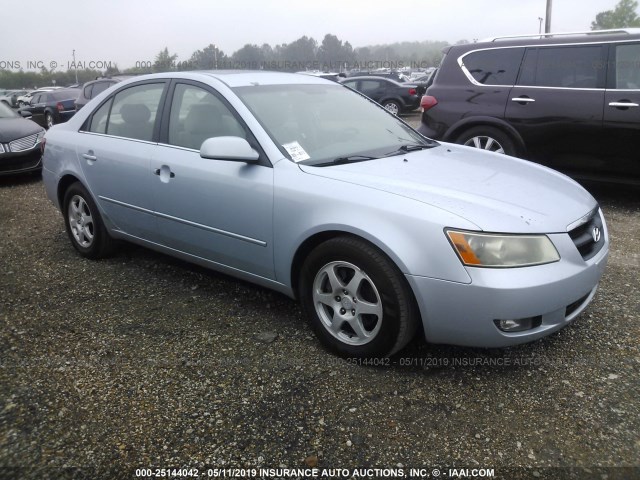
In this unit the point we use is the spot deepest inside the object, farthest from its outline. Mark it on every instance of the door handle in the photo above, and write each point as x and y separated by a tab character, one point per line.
523	99
88	156
623	104
158	171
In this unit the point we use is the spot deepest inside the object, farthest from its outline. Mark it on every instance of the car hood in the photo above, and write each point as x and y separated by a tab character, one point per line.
13	128
495	192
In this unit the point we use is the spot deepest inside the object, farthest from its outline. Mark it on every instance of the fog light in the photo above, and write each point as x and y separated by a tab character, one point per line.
519	325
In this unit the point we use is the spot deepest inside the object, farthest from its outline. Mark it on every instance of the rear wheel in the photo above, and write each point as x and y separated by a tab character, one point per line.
488	138
356	299
84	224
392	106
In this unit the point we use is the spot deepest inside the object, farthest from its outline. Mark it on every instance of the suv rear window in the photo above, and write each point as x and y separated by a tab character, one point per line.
494	67
567	67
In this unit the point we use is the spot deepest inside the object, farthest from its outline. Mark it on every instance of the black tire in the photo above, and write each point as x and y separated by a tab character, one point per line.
48	119
383	286
392	106
483	134
100	244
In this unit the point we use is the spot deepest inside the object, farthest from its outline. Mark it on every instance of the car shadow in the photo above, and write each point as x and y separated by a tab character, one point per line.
7	181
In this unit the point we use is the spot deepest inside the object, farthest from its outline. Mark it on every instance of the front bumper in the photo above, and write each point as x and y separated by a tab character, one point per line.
21	162
465	314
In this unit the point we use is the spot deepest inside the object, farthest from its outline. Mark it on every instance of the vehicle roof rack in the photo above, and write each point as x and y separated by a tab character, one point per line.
627	31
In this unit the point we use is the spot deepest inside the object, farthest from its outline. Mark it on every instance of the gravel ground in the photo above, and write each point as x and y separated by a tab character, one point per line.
142	361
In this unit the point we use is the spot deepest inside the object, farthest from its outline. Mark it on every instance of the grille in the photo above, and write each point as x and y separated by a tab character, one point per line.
24	143
589	237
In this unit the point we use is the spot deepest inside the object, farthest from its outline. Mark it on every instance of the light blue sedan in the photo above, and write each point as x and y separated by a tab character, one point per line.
301	185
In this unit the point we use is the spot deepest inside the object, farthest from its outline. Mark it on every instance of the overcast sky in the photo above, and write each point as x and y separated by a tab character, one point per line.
126	31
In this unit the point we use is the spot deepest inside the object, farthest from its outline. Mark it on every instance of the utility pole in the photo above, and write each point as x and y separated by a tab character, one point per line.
75	67
547	20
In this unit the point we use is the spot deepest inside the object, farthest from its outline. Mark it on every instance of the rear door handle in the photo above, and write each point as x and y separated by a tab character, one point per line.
623	104
523	99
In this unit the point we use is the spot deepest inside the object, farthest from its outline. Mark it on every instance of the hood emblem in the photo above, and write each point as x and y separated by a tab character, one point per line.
595	233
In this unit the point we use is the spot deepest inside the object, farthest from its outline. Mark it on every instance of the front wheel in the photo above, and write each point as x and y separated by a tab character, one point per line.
488	138
356	299
48	119
84	224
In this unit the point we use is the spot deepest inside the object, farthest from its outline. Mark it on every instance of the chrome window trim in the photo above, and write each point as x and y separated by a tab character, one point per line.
475	82
118	137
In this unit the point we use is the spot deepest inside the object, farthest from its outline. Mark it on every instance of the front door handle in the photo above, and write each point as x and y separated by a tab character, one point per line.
164	173
89	156
623	104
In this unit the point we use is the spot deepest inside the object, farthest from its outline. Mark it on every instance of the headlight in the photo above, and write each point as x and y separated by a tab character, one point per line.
499	250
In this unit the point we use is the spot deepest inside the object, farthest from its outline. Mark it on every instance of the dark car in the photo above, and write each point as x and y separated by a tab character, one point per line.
19	143
95	87
394	96
49	108
424	82
570	101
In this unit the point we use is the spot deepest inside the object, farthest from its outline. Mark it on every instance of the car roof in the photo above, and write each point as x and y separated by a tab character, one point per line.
240	78
375	77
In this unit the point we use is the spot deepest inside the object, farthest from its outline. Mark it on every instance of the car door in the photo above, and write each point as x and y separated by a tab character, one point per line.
115	151
621	125
374	89
36	108
214	209
556	106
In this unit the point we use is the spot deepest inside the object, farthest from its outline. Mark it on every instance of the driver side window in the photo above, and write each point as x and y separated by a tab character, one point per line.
196	115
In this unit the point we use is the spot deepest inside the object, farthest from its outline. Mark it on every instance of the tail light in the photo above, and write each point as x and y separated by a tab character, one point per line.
412	91
42	143
60	107
428	102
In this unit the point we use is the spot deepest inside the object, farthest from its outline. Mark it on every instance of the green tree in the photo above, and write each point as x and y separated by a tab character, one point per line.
164	61
299	54
208	58
248	57
624	15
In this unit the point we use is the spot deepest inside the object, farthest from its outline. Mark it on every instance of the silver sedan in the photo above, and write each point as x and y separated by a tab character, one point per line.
306	187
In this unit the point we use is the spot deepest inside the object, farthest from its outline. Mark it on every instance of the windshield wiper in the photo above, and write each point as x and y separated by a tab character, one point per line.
349	159
410	147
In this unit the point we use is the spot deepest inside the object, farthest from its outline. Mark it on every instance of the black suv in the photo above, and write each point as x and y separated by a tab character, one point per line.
568	101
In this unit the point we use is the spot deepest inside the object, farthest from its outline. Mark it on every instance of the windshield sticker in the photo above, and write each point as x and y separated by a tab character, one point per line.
296	151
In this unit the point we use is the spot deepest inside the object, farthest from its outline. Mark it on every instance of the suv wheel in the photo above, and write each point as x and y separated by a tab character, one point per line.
356	299
488	138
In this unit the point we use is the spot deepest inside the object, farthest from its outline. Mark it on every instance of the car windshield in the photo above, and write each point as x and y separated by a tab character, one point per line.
320	124
6	112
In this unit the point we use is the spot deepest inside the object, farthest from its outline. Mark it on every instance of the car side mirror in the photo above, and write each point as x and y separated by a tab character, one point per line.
25	114
234	149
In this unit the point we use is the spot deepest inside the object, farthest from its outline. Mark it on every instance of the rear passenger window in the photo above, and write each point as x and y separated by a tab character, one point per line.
368	86
628	67
196	115
494	67
134	110
99	119
567	67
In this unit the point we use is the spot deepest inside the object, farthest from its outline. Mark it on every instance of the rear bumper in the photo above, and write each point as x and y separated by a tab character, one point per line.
464	314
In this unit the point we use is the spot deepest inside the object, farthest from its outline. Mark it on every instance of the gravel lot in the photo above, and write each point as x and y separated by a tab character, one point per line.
142	361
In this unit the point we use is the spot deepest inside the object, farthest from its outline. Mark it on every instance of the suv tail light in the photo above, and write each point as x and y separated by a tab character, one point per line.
412	91
428	102
59	106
